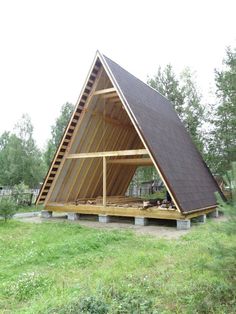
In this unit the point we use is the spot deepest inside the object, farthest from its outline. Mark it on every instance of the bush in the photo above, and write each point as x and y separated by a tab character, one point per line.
93	305
28	285
133	303
157	195
7	207
22	195
86	305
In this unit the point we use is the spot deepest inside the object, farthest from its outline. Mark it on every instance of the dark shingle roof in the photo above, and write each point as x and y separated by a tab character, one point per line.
183	168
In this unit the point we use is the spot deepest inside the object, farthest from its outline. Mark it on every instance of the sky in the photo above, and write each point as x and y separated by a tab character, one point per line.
47	47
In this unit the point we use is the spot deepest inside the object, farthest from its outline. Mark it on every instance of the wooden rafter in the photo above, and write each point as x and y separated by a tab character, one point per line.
88	100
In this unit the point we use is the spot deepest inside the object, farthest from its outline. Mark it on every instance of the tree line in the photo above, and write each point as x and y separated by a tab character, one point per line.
20	158
212	126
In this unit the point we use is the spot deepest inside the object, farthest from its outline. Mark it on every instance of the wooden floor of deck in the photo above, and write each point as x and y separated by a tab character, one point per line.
152	212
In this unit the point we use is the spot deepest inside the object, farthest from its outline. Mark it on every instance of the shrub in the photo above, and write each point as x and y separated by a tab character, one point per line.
93	305
7	207
133	303
22	195
28	285
86	305
157	195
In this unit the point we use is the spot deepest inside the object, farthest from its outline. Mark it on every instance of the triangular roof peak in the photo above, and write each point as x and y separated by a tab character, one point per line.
154	126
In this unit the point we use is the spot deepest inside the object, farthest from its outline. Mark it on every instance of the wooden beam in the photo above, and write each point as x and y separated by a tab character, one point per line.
104	91
132	161
98	75
116	211
131	152
125	104
104	196
111	95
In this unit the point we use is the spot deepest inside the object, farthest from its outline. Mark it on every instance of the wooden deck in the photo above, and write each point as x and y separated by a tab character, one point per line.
152	212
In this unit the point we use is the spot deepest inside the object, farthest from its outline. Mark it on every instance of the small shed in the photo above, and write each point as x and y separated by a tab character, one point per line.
120	123
151	186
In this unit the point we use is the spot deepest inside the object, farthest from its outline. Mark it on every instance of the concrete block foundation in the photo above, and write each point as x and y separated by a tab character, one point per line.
140	221
200	219
184	224
73	216
214	214
46	214
104	218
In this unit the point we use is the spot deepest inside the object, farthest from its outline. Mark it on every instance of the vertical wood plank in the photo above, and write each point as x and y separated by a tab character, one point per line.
104	182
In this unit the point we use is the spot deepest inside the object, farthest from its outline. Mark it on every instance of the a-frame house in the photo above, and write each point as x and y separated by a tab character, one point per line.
120	123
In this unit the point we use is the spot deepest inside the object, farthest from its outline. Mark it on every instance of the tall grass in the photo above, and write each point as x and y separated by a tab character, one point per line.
65	268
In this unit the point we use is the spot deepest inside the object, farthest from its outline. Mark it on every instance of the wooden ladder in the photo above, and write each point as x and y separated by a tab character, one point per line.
58	157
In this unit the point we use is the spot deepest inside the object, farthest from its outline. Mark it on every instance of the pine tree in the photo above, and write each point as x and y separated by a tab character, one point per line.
224	121
182	91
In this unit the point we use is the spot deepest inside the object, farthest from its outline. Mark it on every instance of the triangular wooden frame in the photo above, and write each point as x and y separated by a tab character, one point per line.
98	60
182	170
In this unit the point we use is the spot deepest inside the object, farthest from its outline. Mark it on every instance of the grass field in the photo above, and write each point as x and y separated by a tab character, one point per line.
65	268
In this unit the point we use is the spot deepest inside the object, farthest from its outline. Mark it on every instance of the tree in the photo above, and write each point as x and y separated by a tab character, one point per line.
20	159
184	95
166	83
182	91
224	120
7	207
57	131
193	111
230	180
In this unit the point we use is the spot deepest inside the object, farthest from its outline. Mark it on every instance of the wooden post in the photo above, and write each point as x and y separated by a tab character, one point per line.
104	181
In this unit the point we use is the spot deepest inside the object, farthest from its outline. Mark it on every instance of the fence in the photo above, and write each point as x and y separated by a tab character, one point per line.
26	198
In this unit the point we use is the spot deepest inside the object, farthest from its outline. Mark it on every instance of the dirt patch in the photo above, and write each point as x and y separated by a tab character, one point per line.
157	227
167	231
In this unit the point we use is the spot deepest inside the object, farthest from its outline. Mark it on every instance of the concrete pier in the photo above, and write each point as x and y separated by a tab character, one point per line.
73	216
183	224
104	218
140	221
214	214
200	219
46	214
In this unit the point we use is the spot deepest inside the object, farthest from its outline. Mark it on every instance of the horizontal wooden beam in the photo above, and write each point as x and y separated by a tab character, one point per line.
111	96
104	91
116	211
132	161
131	152
152	212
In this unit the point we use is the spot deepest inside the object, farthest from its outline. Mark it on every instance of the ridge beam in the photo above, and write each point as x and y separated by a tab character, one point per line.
132	152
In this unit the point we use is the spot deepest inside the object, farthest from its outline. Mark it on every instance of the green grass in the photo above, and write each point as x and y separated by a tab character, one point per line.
65	268
26	209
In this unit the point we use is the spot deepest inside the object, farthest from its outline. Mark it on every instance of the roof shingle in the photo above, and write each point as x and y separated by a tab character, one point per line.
180	163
